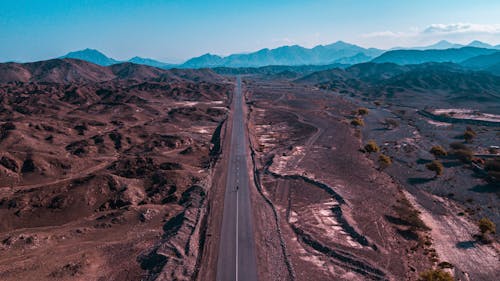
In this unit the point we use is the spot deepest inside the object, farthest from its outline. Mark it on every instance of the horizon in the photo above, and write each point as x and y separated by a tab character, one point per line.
248	52
173	32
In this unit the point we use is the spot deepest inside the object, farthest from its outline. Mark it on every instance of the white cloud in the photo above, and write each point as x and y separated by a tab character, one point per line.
462	28
456	32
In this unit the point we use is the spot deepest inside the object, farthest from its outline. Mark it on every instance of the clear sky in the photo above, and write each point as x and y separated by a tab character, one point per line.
173	30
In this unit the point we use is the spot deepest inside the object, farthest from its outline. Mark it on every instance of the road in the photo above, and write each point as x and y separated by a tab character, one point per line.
236	259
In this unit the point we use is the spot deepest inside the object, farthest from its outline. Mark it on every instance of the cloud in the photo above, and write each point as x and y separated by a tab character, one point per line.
457	32
462	28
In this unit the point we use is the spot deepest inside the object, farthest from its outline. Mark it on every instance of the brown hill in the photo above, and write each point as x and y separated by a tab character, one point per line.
66	71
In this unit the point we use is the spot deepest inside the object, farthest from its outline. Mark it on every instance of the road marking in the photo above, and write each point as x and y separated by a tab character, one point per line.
237	235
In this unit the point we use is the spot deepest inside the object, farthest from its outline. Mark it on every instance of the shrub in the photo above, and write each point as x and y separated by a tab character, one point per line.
357	122
469	135
384	161
371	146
486	226
409	216
363	111
438	151
436	167
435	275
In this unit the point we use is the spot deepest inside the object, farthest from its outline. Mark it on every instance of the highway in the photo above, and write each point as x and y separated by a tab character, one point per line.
236	259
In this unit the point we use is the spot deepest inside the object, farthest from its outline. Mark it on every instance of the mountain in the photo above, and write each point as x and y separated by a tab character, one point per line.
490	63
55	71
483	61
206	60
441	45
414	85
494	69
151	62
479	44
403	57
92	56
339	52
66	71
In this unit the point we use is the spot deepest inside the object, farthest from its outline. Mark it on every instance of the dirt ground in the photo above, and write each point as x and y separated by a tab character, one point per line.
104	181
338	214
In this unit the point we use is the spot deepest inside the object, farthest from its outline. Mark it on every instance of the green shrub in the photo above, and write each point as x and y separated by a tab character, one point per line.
486	226
438	151
469	135
371	146
363	111
357	122
436	167
435	275
384	161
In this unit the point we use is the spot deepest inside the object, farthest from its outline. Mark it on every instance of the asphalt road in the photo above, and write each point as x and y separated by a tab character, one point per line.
236	259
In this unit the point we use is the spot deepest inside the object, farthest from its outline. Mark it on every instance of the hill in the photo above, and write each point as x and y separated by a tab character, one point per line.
92	56
151	62
66	71
482	62
403	57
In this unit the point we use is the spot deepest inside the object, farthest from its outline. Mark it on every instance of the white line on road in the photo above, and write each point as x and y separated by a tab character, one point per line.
236	235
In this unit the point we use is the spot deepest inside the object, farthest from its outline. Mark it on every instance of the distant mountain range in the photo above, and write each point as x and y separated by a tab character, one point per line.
403	57
339	53
443	44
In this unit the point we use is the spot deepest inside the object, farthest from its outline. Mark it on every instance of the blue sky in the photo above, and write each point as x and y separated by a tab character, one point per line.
175	30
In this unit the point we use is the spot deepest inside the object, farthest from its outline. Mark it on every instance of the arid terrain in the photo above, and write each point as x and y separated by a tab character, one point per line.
120	172
103	170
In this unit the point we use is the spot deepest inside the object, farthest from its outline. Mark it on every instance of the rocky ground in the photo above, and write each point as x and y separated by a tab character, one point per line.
338	213
107	180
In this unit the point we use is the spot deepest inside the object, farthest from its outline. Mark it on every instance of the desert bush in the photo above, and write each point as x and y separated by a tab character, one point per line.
357	122
409	215
469	135
436	167
371	146
486	226
435	275
384	161
363	111
438	151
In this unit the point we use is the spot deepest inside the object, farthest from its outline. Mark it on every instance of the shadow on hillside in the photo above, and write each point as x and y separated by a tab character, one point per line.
466	244
415	181
486	188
